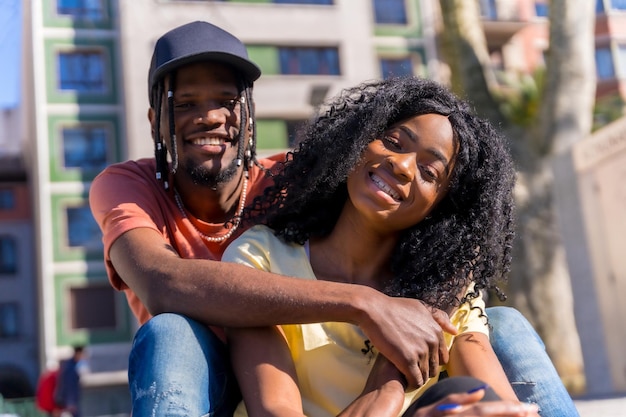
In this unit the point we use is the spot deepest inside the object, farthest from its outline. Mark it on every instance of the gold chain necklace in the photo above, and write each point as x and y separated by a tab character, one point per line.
242	203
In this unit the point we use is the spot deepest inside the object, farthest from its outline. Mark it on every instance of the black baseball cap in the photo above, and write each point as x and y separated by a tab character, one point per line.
195	42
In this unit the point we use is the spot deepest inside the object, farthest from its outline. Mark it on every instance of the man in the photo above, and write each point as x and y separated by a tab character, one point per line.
166	224
67	391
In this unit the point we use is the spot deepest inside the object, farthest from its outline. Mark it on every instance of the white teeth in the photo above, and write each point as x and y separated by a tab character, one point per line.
208	141
385	187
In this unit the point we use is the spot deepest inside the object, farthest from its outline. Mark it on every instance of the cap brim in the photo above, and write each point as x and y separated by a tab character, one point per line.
247	69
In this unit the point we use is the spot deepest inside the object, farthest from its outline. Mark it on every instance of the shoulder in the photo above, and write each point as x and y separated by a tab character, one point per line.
259	236
141	172
128	191
140	168
260	248
260	177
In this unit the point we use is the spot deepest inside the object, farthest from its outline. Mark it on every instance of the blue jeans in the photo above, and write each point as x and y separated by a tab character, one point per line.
178	367
172	355
526	363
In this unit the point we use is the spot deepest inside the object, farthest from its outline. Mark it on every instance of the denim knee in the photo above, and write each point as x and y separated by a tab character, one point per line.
507	323
178	366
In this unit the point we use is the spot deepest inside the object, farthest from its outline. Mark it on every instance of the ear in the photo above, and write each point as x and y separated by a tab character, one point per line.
151	118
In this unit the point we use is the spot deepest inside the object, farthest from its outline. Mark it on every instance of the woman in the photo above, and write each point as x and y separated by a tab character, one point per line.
397	186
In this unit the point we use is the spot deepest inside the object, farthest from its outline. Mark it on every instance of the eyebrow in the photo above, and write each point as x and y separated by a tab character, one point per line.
435	152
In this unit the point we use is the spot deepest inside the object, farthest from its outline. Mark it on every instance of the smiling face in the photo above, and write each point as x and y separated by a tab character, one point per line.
403	175
206	116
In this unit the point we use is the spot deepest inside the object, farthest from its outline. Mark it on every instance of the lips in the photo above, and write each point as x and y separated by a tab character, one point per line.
384	187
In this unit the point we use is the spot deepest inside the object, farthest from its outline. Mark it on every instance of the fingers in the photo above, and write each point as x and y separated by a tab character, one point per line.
416	377
410	335
434	350
434	359
443	355
468	405
500	409
442	318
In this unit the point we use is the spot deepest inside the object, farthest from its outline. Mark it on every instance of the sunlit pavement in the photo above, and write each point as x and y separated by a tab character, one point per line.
606	407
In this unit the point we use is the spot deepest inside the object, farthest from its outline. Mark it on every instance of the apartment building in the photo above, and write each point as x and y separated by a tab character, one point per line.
517	36
18	285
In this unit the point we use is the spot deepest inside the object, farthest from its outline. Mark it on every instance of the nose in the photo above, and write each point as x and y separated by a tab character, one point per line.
212	114
403	165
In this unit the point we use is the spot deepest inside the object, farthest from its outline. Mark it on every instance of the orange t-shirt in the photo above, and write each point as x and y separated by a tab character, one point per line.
127	196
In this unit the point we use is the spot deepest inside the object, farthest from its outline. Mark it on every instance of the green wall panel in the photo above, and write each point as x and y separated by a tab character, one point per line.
266	57
271	134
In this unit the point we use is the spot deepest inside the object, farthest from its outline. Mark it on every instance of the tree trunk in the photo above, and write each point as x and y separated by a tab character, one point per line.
539	284
464	49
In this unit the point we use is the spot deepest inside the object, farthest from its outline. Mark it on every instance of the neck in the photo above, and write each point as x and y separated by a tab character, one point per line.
353	253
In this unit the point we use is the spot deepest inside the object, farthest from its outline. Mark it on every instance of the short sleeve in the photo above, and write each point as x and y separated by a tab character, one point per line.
470	316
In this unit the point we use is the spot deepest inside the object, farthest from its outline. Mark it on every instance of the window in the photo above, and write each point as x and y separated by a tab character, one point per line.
8	255
92	307
7	199
618	4
309	61
390	12
541	9
82	71
604	64
396	67
85	147
83	9
9	320
488	9
82	229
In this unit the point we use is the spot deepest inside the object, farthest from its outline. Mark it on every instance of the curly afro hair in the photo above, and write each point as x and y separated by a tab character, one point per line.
468	235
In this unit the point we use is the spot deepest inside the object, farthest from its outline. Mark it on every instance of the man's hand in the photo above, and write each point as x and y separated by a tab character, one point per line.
409	334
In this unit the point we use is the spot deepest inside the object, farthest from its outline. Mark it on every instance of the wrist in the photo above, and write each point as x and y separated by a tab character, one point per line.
361	301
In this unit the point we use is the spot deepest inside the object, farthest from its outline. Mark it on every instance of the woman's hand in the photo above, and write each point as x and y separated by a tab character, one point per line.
469	405
383	395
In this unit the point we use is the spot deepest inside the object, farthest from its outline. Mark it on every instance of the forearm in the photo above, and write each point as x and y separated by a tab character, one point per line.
242	296
386	401
225	294
471	354
232	295
265	371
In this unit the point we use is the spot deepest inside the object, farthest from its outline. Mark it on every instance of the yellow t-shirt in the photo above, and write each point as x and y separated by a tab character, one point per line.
332	360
